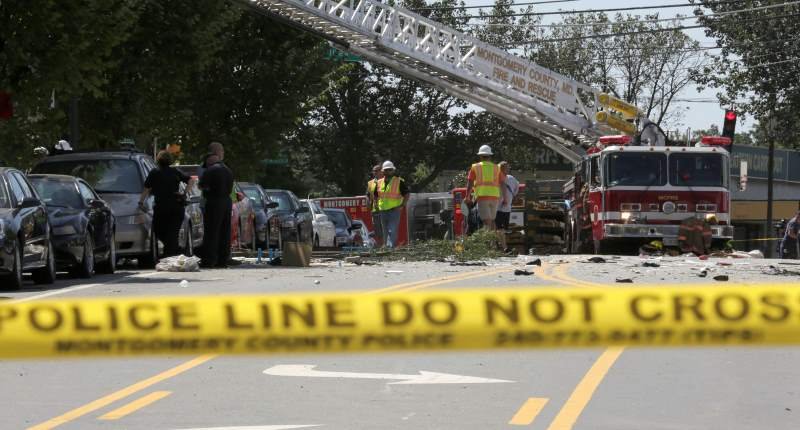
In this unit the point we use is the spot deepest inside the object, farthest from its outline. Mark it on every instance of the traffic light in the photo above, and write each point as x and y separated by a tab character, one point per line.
729	126
6	106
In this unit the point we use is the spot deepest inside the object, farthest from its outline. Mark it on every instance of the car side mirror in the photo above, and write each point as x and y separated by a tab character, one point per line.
302	210
271	205
357	225
96	204
30	202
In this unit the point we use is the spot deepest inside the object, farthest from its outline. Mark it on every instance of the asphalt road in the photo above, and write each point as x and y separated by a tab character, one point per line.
614	388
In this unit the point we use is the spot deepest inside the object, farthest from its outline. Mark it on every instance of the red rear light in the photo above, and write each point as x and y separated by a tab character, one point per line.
615	140
715	140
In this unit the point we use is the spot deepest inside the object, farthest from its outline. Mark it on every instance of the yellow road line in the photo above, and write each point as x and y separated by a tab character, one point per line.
560	272
528	412
121	394
582	394
428	282
472	275
135	405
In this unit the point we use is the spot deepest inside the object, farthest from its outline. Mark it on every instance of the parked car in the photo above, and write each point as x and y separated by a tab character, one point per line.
82	225
324	229
118	178
193	231
268	223
345	226
25	234
296	225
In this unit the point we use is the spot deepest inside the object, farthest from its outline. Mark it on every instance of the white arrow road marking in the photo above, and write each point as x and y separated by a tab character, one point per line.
424	377
258	427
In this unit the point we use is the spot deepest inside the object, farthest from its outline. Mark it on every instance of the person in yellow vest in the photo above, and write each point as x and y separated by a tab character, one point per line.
392	195
485	180
372	202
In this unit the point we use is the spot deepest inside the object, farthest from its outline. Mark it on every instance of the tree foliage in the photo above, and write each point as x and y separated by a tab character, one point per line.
757	66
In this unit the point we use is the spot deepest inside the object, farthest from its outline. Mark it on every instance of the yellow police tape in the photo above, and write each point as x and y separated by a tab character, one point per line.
435	320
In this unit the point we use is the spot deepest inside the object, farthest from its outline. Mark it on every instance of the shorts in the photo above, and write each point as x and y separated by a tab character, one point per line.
502	219
487	209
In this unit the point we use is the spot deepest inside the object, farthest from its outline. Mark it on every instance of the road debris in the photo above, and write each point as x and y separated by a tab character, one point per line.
468	263
721	278
393	272
596	260
650	264
537	262
178	263
183	284
316	281
624	280
520	272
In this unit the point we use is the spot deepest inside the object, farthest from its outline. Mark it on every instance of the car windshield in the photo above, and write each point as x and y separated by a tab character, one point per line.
105	176
283	200
339	218
57	192
640	169
315	207
697	170
253	194
5	200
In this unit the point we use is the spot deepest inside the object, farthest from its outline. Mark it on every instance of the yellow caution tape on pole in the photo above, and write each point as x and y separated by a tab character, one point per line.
434	320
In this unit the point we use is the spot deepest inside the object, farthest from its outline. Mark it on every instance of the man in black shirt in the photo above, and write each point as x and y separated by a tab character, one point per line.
164	184
217	185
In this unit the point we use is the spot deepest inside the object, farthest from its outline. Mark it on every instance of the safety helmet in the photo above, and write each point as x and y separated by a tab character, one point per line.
388	165
485	150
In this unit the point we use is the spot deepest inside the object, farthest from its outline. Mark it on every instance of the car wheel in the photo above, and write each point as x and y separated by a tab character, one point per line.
188	245
86	267
47	274
148	260
15	277
110	265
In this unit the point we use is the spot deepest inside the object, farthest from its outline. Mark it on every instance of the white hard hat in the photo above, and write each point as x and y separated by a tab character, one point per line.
388	165
485	150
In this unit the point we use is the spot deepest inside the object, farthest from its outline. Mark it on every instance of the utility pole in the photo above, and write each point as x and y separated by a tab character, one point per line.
770	179
74	133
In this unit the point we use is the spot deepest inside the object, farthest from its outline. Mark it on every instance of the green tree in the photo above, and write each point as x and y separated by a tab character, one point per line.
757	65
51	51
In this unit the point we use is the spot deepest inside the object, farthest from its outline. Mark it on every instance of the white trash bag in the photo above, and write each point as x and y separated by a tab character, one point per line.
179	263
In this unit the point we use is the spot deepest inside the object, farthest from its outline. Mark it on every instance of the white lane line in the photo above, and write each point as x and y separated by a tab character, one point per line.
77	288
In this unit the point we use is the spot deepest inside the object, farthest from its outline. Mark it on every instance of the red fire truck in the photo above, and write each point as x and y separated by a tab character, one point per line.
628	195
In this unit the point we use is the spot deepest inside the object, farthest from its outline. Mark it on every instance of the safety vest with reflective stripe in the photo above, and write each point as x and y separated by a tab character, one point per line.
372	185
487	179
389	196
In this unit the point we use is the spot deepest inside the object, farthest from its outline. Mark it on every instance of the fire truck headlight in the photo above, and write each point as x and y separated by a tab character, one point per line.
625	216
711	218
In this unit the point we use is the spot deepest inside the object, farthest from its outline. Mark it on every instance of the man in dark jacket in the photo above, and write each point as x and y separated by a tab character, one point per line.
217	185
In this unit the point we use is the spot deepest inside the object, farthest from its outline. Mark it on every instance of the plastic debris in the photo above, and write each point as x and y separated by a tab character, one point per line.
721	278
537	262
624	280
597	260
184	284
650	264
393	271
316	281
178	263
520	272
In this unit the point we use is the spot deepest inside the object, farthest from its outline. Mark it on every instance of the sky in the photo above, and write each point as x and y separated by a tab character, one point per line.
696	115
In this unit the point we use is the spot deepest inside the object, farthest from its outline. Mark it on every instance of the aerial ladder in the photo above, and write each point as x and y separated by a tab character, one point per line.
564	114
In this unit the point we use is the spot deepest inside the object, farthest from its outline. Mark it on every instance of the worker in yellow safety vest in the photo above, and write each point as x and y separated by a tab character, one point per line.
485	180
372	202
392	195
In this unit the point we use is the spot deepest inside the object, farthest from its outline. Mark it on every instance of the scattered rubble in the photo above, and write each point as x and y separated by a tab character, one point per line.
624	280
721	278
596	260
520	272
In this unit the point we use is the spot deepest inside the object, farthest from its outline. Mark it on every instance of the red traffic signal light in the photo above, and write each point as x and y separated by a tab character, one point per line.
730	115
729	125
6	107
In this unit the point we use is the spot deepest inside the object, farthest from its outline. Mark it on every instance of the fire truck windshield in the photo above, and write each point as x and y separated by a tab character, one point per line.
697	170
641	169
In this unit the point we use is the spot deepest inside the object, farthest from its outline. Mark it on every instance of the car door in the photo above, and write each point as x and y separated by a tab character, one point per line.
99	216
33	221
326	231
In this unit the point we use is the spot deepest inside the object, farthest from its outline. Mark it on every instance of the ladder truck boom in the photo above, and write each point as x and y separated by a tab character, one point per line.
550	106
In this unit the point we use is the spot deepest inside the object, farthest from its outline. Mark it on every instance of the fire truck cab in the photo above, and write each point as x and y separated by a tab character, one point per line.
624	195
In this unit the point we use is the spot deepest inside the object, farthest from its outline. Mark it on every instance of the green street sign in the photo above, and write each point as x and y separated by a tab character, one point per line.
334	54
276	162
